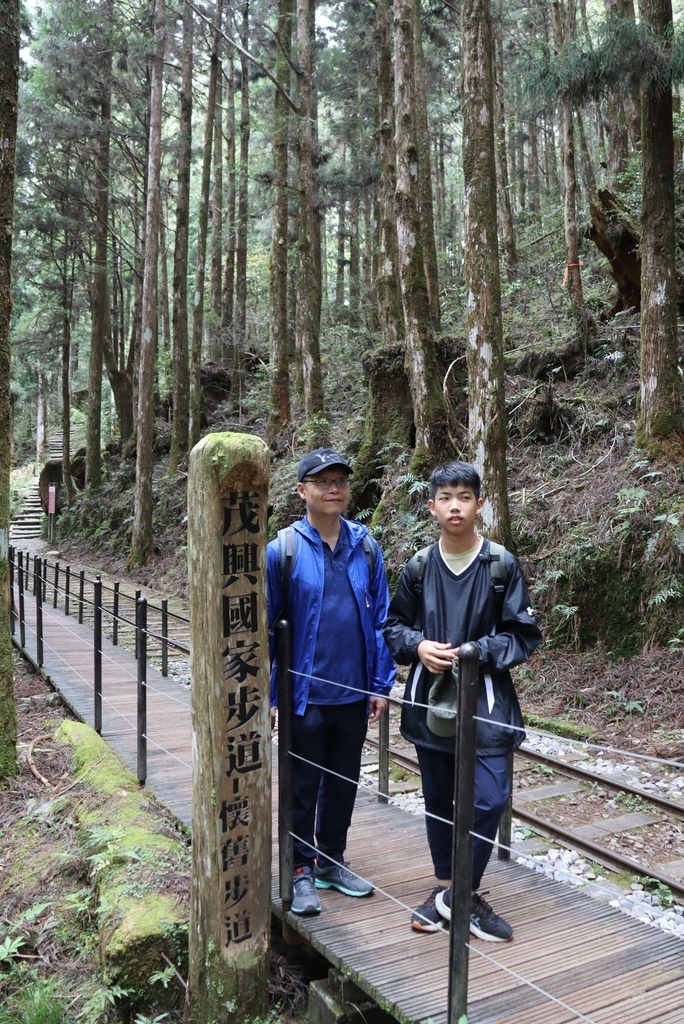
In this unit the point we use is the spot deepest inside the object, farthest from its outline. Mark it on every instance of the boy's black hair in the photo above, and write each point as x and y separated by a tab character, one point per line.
451	474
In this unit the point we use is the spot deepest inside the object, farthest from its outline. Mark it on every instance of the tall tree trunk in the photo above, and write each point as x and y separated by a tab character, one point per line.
9	88
141	541
341	241
67	300
279	385
505	213
308	285
487	419
41	417
101	328
201	258
422	129
660	411
181	366
563	31
587	165
217	211
421	360
533	176
228	299
164	274
389	310
240	323
354	261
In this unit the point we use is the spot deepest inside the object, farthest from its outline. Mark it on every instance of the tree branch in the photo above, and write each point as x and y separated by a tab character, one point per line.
247	54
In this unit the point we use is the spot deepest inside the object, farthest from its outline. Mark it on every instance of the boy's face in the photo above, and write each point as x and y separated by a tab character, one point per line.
455	508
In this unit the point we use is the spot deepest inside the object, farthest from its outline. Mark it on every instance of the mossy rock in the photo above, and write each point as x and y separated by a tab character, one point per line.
133	854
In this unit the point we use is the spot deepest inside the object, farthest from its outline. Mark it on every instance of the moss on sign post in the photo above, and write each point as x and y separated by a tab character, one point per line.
231	820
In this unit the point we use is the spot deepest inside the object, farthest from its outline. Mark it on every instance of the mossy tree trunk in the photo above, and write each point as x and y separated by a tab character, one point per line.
390	316
308	274
240	313
101	330
660	411
9	86
181	366
388	422
202	230
505	212
421	358
141	540
279	384
564	31
487	419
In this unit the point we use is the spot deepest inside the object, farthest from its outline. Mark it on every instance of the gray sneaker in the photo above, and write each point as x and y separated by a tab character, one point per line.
342	879
304	896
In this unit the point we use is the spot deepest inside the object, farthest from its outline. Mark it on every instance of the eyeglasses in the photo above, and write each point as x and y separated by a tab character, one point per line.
324	485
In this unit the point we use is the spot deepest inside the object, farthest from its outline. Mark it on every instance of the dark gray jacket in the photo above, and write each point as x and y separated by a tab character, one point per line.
457	609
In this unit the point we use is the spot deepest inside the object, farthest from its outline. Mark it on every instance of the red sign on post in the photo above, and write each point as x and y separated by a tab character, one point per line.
52	499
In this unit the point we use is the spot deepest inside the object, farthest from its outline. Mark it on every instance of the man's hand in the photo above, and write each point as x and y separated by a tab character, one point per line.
377	706
437	657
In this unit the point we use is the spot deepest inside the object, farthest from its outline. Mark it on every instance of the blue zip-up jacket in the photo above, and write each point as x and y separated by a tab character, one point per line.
305	593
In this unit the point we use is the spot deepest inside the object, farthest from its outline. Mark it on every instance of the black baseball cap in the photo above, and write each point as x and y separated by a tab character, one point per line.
318	460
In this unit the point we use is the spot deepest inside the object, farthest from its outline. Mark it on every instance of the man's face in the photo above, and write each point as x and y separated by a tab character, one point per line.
326	493
455	508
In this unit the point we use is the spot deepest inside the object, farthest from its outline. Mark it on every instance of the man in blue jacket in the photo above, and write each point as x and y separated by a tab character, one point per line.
342	671
455	602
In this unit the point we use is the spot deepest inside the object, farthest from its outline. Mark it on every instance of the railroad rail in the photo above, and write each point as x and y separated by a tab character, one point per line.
546	826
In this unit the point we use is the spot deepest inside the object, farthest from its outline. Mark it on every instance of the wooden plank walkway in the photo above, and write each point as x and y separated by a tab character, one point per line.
572	959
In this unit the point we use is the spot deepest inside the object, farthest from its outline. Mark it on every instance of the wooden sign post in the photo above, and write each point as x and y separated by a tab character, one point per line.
231	818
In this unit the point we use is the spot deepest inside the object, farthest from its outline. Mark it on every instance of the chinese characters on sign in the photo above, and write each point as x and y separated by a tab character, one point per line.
242	751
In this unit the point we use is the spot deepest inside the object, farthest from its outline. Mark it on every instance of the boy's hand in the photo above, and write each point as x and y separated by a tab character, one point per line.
437	657
377	706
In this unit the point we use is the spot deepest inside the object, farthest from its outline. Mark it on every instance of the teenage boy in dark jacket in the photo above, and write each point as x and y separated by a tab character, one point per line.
337	600
455	603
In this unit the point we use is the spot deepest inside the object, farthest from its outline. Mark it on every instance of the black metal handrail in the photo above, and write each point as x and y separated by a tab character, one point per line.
42	567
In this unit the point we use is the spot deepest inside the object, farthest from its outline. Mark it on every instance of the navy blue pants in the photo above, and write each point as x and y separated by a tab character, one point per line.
492	790
330	735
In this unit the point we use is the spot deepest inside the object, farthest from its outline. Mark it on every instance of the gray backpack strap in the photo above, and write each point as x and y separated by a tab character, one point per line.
286	554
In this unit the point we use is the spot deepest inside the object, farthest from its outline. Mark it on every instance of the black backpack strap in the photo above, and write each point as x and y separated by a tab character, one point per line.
416	567
286	554
370	547
497	571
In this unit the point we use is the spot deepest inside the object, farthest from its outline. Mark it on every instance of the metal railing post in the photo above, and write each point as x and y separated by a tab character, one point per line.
506	820
22	617
165	637
462	853
137	599
97	654
44	578
141	654
383	757
115	614
81	585
285	819
10	555
56	591
67	588
39	609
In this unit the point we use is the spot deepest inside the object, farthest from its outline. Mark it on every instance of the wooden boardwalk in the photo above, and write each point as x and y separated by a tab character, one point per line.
572	959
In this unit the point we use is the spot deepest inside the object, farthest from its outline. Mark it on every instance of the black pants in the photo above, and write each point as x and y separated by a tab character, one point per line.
492	790
331	736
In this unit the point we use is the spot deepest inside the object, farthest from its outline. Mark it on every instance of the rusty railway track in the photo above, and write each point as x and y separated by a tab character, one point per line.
606	857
